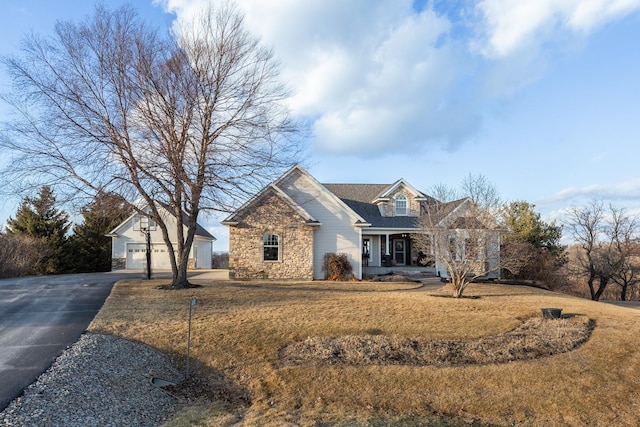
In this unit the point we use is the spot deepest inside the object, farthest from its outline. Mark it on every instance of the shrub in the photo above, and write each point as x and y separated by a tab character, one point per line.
337	267
20	254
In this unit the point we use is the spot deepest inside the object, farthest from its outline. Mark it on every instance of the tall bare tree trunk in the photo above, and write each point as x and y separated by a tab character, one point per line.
194	121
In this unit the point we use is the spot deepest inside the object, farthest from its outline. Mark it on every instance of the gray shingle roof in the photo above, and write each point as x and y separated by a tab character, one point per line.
359	197
364	193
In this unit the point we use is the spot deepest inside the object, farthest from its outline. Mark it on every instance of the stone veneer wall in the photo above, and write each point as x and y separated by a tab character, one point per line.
271	215
118	263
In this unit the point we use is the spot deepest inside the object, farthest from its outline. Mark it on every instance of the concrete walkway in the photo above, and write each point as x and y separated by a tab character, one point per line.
217	274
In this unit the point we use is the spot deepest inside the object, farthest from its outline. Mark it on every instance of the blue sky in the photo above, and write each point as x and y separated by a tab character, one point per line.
543	98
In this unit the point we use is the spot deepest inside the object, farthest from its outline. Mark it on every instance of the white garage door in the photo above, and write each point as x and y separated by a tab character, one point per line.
137	256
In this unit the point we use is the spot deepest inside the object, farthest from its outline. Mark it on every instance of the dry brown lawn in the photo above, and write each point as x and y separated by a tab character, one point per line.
240	331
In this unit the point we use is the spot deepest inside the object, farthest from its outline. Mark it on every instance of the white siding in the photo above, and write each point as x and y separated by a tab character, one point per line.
128	236
337	233
203	253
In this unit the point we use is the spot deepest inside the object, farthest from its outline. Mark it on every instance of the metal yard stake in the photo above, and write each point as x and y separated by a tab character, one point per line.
192	303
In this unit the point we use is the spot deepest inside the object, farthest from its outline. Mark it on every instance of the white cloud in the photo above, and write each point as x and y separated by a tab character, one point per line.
379	77
515	25
624	192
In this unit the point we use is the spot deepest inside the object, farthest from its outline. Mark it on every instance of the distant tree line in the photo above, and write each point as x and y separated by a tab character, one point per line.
220	260
602	261
40	239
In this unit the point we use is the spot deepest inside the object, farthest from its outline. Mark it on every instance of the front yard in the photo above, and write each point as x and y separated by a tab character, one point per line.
239	333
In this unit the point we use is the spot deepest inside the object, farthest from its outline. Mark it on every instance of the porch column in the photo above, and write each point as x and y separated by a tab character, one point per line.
359	275
387	257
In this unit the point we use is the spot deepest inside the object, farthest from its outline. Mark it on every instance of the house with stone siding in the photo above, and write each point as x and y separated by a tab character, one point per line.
285	231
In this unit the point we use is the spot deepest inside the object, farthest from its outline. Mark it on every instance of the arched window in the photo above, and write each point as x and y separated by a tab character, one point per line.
271	247
401	205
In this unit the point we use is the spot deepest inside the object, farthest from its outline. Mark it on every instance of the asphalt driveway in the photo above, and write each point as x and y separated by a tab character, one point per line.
40	317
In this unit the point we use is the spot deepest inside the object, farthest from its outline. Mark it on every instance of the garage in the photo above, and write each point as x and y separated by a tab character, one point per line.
129	250
137	256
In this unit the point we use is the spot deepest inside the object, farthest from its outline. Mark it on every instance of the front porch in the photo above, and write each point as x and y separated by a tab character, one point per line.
386	253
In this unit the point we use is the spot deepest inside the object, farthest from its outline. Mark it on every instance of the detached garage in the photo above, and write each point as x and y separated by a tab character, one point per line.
137	256
129	248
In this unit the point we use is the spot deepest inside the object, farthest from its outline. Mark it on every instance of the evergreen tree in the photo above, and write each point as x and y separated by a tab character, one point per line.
89	250
524	223
538	239
40	219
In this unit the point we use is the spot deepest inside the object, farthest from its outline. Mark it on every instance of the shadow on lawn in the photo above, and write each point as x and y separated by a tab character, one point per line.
211	384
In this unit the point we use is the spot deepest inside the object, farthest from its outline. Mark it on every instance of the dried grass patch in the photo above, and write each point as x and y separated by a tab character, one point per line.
239	330
533	339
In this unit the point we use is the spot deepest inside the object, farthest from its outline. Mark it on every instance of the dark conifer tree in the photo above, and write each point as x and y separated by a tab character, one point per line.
89	250
39	218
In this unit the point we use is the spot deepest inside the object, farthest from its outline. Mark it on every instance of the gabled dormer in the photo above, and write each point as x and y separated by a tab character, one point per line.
400	199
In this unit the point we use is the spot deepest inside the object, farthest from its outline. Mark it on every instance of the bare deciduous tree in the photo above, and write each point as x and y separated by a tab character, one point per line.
463	235
483	193
586	225
20	254
465	242
606	242
623	233
193	122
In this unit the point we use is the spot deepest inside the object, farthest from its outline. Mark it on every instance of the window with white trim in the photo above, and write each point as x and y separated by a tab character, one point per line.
271	247
401	205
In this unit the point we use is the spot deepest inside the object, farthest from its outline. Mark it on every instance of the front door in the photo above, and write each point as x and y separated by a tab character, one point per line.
366	252
399	248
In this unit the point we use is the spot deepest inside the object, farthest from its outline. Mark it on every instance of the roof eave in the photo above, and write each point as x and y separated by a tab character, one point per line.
381	200
362	224
207	238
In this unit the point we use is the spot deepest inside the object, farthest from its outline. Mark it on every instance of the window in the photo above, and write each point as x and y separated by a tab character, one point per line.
271	247
401	205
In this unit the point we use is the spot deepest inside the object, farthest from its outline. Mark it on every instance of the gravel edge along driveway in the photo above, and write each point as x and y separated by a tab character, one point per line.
99	380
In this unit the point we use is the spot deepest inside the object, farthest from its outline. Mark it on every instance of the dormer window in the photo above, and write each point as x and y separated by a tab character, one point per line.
401	205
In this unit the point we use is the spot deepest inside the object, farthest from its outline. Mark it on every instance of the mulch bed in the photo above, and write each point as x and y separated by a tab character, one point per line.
393	278
534	338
